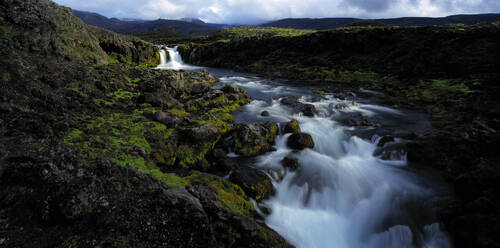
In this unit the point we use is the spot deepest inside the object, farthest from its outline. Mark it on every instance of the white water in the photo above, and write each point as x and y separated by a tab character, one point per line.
175	60
343	195
163	57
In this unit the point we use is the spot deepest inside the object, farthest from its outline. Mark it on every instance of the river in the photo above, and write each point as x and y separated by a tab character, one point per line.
350	190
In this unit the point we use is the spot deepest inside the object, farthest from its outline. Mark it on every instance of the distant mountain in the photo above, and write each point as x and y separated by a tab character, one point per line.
132	20
131	27
192	20
331	23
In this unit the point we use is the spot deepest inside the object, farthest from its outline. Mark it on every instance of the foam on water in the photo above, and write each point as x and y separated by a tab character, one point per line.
343	195
175	60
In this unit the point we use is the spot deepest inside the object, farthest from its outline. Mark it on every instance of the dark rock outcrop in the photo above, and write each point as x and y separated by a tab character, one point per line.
254	182
300	141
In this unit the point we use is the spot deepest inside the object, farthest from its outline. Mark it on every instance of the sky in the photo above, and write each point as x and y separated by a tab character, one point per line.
259	11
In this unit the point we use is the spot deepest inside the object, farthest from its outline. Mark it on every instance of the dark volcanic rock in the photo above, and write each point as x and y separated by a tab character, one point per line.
384	140
292	127
290	100
290	163
139	208
300	141
308	110
166	118
202	133
254	182
250	139
354	119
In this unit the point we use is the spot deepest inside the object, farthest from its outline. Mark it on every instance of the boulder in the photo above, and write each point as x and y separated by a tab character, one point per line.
290	100
250	139
308	110
200	88
353	119
166	118
203	133
384	140
254	182
231	89
292	127
300	141
265	114
291	163
161	98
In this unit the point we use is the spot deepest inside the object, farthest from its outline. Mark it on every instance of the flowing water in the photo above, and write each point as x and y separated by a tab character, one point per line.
348	192
174	60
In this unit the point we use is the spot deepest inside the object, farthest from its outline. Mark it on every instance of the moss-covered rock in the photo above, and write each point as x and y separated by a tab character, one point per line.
292	127
250	139
300	141
254	182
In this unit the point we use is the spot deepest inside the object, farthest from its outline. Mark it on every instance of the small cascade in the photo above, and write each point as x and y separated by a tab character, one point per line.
174	61
163	57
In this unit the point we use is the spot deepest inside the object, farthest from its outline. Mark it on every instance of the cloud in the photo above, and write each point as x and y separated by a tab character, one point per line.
255	11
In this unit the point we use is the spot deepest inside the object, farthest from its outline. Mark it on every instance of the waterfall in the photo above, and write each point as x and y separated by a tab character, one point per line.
163	57
174	61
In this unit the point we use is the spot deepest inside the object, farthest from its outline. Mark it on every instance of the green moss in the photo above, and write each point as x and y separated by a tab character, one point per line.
153	61
227	35
178	112
229	195
169	179
189	155
73	136
122	94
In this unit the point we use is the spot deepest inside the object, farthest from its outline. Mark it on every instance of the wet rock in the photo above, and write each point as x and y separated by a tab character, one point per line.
290	100
353	119
213	94
291	163
203	133
308	110
342	106
292	127
384	140
265	113
219	153
231	89
250	139
264	208
300	141
254	182
394	151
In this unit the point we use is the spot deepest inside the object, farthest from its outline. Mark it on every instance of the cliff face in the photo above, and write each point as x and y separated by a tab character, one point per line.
96	150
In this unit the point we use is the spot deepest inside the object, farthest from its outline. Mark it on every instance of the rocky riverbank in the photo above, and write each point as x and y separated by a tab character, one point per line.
450	72
98	150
